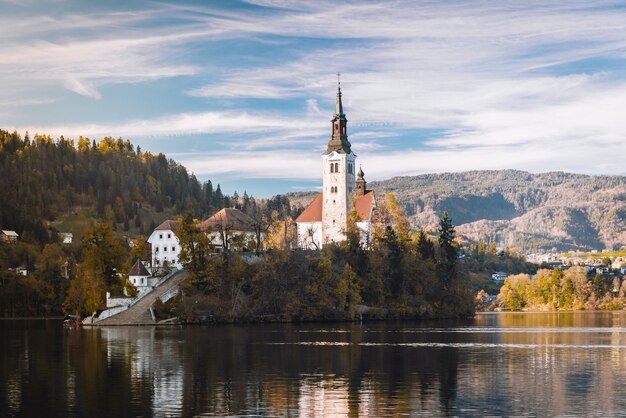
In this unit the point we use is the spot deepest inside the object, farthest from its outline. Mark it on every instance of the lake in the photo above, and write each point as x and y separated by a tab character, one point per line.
504	364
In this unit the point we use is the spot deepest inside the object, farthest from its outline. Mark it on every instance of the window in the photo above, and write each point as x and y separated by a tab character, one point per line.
336	167
164	249
169	236
332	167
173	249
142	279
160	236
156	250
174	261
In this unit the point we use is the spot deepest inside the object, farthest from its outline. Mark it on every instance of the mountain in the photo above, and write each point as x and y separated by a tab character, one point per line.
519	209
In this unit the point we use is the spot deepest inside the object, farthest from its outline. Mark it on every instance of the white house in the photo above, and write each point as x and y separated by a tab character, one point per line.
8	236
66	237
325	219
165	245
141	278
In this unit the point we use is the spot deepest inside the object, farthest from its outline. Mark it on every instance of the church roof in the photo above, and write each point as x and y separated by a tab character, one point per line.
229	218
313	212
138	269
364	204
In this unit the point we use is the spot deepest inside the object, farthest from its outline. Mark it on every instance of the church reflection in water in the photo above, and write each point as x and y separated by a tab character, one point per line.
276	371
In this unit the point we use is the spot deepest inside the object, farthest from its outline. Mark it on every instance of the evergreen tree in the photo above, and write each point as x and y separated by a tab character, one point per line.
446	264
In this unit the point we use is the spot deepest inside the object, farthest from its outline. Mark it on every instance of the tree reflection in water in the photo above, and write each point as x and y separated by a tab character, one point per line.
498	364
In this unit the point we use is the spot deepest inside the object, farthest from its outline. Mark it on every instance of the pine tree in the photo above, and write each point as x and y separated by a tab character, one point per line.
446	265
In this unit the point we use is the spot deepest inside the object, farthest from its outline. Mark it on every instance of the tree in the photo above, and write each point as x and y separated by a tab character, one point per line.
447	252
86	292
102	254
353	233
194	249
424	246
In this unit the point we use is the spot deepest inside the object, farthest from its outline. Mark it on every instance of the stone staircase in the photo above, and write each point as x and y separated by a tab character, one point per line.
139	313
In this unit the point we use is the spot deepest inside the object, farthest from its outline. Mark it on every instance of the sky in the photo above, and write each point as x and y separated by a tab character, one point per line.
242	92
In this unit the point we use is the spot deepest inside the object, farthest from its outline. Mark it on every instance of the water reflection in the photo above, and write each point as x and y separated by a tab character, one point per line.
505	364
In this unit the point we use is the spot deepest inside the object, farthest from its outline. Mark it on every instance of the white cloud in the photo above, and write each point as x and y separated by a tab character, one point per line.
190	124
503	81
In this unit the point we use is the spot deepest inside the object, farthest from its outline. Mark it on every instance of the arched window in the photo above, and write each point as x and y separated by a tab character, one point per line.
332	167
336	167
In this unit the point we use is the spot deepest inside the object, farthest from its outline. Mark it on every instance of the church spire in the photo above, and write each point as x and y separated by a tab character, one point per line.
339	136
339	107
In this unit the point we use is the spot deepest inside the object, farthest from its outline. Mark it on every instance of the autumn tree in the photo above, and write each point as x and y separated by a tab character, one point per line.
102	254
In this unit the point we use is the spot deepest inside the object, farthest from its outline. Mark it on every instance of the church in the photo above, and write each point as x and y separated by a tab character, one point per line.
325	219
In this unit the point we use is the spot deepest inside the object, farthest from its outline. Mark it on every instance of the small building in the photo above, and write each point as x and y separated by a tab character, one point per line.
66	237
498	276
141	278
22	271
230	227
8	236
165	245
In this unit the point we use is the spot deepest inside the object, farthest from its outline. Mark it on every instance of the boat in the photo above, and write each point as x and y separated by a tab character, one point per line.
71	322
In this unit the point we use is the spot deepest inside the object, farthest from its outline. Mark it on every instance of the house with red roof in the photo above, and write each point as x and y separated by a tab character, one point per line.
230	228
325	219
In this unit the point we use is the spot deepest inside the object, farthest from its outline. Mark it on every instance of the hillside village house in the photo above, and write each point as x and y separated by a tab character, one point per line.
8	236
229	225
141	278
66	237
232	228
325	219
165	245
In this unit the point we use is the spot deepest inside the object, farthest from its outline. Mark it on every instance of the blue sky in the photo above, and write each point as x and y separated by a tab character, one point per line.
242	92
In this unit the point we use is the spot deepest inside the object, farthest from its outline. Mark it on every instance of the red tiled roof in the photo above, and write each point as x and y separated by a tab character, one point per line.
167	225
364	204
313	212
229	218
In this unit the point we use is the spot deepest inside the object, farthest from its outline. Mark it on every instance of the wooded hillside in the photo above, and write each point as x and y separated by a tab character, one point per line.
519	209
44	179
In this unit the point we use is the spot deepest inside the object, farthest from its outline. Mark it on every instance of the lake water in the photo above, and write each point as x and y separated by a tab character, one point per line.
506	364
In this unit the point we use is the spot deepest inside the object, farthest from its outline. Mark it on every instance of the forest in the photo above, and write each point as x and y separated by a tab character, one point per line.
555	289
400	273
121	189
397	275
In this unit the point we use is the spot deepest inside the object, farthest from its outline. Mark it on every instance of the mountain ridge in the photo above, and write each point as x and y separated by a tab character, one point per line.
514	208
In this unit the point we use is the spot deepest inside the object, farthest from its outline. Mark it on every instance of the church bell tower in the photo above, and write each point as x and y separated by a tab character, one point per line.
338	177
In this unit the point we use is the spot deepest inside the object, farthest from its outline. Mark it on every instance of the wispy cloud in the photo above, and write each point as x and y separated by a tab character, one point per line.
535	86
187	124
